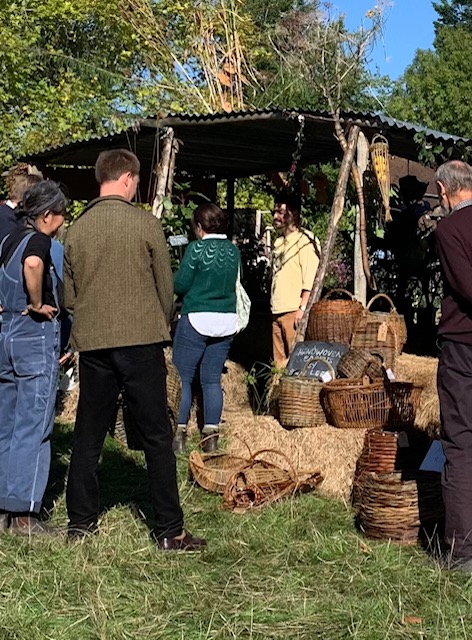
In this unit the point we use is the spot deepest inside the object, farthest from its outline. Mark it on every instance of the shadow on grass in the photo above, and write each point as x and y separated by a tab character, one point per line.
122	476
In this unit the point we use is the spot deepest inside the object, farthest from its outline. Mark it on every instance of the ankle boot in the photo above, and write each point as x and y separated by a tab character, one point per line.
210	439
180	439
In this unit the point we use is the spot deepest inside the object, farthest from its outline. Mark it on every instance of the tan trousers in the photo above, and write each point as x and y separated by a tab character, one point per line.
283	335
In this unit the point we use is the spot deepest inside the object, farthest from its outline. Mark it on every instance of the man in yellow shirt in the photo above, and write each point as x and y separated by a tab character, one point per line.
294	264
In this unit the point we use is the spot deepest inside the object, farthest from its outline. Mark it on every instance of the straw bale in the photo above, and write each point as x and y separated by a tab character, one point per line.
423	371
333	451
234	385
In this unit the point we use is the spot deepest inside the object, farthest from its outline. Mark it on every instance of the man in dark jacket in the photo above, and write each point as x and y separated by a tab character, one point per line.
454	243
118	286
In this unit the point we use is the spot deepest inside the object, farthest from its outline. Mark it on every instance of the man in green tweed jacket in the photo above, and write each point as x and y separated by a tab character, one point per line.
118	286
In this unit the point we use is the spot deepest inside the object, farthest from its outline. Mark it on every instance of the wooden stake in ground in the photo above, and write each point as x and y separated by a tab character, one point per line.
336	213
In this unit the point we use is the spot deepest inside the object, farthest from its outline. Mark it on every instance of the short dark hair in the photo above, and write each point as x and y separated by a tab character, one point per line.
211	218
43	196
292	203
113	163
20	184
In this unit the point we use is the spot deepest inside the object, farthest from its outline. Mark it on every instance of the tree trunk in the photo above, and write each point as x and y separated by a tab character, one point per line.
336	214
163	171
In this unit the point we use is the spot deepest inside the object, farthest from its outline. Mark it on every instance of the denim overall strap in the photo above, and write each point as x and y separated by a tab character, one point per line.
12	294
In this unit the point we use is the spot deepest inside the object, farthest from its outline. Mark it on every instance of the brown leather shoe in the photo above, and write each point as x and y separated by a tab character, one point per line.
31	526
187	543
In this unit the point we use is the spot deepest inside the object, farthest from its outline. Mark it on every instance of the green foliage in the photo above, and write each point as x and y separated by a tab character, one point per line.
434	88
453	13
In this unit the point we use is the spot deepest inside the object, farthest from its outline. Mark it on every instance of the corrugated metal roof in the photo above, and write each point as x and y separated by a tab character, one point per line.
249	142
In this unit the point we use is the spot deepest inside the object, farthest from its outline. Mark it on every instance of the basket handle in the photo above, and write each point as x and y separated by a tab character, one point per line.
382	295
348	293
292	471
324	361
378	137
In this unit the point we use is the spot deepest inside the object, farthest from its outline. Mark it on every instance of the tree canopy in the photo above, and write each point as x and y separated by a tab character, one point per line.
72	69
435	89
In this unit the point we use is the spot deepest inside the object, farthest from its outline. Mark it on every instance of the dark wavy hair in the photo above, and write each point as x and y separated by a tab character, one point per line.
43	196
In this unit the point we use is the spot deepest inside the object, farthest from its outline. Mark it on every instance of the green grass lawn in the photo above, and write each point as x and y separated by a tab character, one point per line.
298	569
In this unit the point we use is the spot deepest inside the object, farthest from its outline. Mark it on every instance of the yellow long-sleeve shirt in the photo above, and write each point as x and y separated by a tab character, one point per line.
294	264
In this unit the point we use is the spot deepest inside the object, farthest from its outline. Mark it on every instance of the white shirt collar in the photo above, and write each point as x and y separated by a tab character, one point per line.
10	204
218	236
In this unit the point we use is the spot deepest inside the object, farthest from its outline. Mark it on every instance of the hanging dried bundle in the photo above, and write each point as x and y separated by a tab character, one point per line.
381	166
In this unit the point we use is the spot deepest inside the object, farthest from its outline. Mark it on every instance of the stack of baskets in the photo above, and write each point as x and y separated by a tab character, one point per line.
392	498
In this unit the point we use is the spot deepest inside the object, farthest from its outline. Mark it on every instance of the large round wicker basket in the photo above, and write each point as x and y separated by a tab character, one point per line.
213	470
400	506
333	320
360	403
299	398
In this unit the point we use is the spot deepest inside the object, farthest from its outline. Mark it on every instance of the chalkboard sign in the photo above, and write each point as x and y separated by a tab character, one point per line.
305	351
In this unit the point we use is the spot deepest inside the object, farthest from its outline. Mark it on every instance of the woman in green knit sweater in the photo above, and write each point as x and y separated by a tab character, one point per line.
207	281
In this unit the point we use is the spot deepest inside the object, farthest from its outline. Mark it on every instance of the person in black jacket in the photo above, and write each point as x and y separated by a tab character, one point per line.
17	188
454	244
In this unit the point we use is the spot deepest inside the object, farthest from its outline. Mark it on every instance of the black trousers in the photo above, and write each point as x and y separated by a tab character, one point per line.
455	396
141	371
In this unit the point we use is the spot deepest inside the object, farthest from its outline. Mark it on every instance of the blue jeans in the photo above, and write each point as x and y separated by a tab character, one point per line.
191	350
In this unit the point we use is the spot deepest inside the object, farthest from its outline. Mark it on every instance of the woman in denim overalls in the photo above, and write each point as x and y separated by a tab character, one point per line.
29	360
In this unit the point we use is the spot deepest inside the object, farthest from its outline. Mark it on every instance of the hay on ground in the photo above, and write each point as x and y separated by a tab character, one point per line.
333	451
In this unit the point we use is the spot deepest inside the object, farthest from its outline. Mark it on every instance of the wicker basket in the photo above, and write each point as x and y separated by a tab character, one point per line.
260	483
356	403
299	398
359	403
405	400
380	332
358	362
400	506
213	470
333	320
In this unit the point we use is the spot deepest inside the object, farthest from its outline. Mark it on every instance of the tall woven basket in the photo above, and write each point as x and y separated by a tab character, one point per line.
400	506
299	398
380	332
334	320
386	452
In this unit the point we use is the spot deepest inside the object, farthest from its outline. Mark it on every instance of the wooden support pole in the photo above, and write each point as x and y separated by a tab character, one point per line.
230	184
162	171
360	282
170	176
336	214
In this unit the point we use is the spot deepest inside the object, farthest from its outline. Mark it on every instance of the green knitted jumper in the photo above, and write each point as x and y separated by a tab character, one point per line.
207	276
